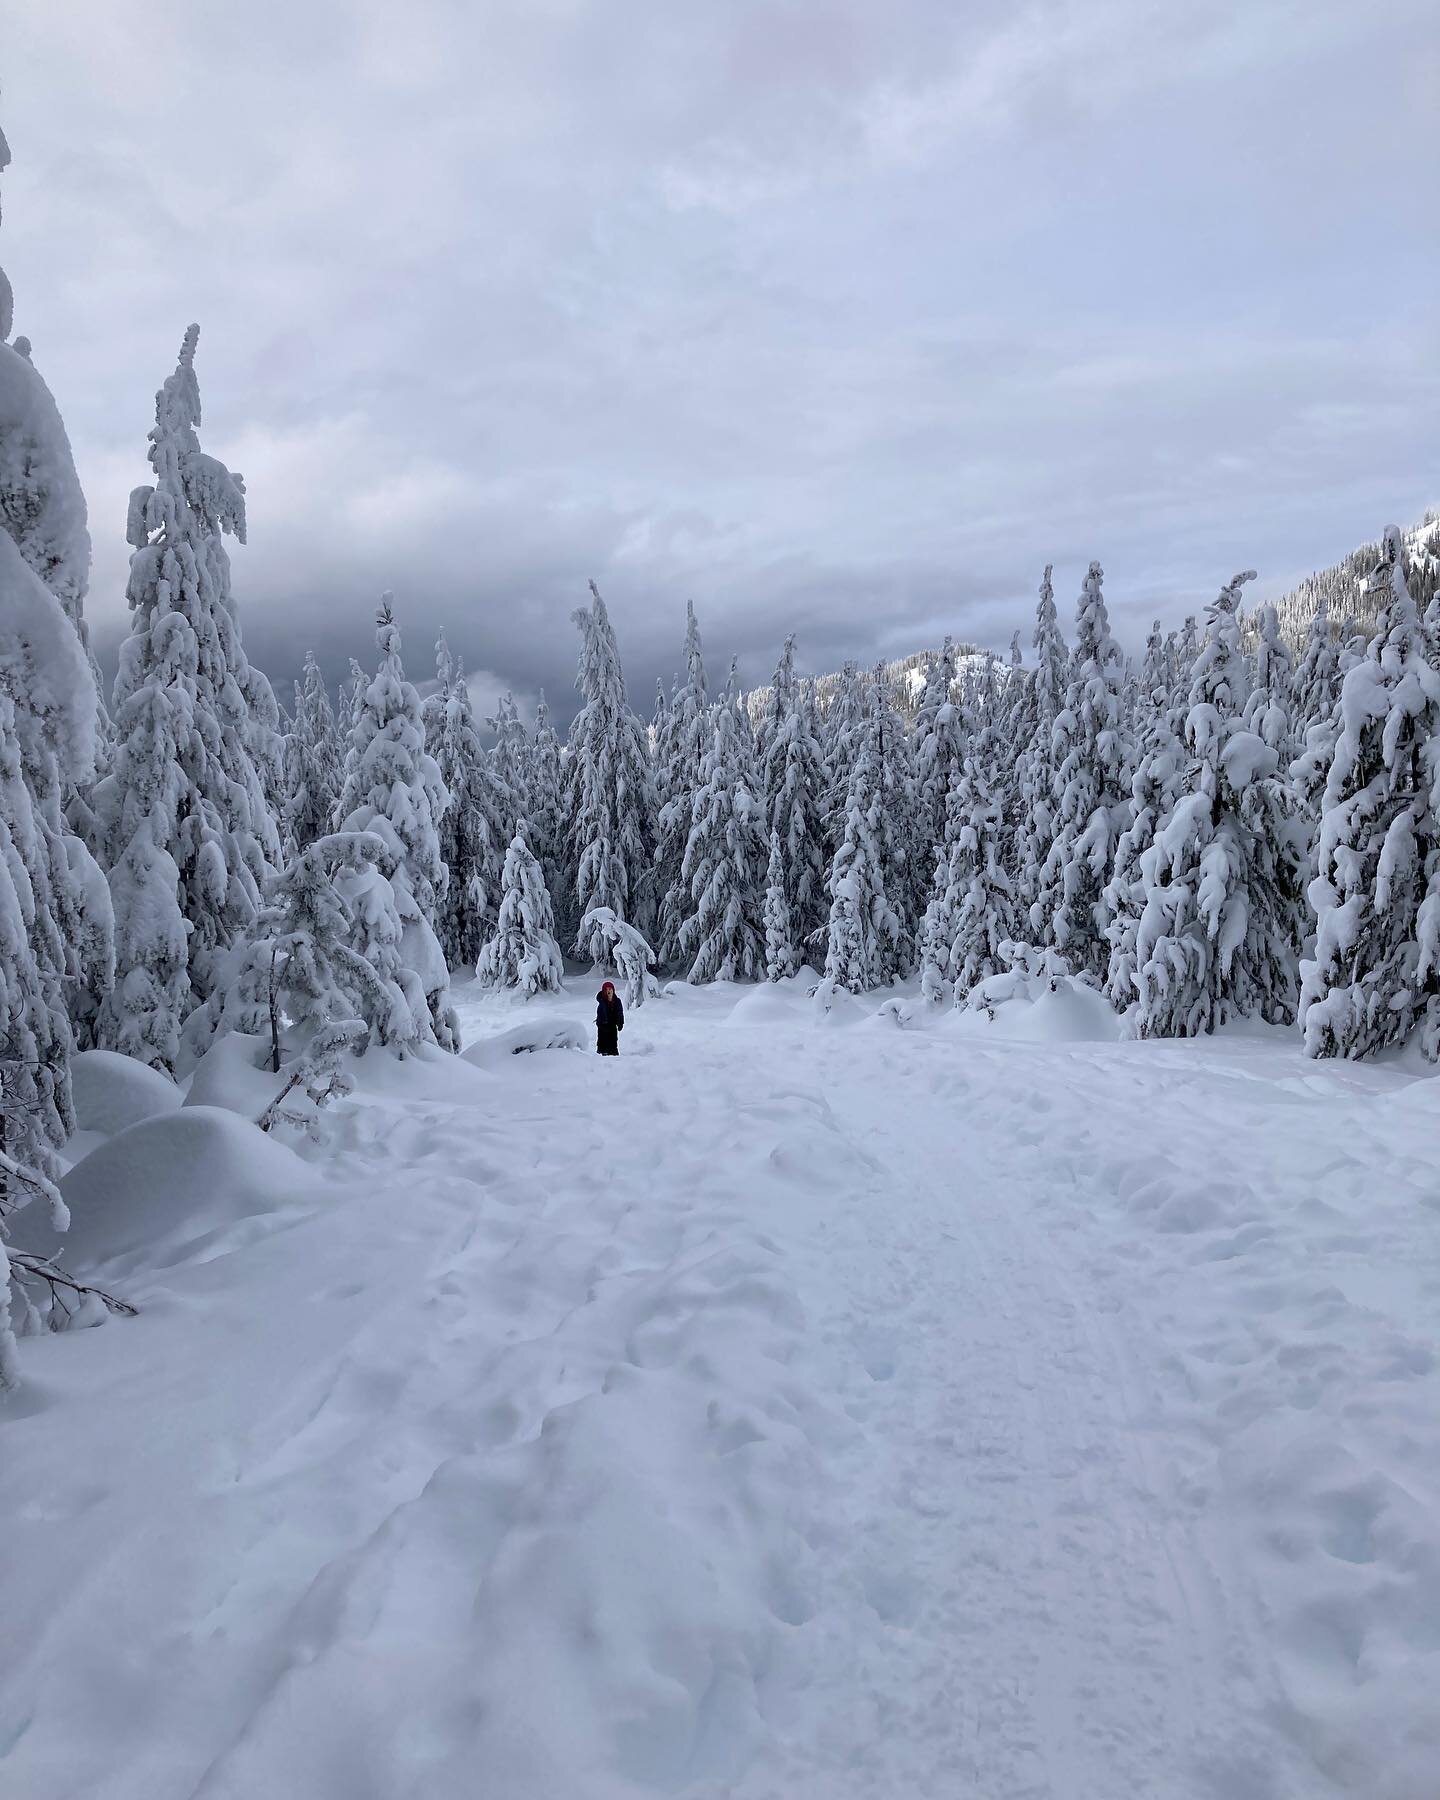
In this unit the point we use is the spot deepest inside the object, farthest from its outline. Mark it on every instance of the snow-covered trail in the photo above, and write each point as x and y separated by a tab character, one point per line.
775	1411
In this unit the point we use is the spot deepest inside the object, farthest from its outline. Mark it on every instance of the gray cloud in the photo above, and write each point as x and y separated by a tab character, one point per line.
837	318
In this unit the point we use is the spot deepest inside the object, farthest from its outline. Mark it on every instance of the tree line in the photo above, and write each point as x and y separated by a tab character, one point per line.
1237	825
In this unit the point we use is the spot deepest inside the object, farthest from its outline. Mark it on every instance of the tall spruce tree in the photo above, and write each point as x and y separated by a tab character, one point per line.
547	820
723	871
1268	710
687	741
56	725
1375	977
1154	791
1090	802
185	817
938	743
980	898
611	803
312	758
393	787
782	958
1037	763
510	764
1220	933
792	781
866	940
472	825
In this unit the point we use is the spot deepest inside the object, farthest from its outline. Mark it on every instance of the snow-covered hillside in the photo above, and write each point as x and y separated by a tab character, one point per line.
868	1406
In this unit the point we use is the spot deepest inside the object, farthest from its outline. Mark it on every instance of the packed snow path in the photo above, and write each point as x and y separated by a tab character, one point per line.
775	1411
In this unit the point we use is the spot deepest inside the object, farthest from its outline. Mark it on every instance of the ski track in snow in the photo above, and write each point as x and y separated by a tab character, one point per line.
774	1412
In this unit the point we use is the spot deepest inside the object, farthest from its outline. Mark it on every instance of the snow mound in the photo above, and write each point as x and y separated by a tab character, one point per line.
233	1074
1071	1013
524	1040
113	1092
171	1189
836	1006
767	1004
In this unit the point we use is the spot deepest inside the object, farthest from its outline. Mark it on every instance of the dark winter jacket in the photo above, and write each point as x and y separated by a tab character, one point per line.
609	1023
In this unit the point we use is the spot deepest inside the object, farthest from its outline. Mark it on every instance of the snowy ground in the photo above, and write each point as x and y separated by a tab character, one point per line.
780	1410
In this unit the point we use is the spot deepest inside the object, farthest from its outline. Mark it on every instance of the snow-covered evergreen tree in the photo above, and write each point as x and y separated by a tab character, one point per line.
1154	791
1267	713
1316	690
472	825
782	959
938	743
1375	976
510	764
792	783
723	934
844	727
329	946
55	723
312	760
610	796
1220	933
46	699
185	815
54	911
687	741
393	787
1091	804
547	820
896	837
980	899
1035	824
864	944
523	953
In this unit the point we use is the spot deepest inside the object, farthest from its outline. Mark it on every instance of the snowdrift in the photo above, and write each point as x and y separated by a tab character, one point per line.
112	1092
542	1033
176	1188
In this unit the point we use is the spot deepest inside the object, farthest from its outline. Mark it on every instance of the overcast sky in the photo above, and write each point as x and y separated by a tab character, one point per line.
843	317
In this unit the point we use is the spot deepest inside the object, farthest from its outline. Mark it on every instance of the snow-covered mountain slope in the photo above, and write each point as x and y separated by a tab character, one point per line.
892	1407
1350	591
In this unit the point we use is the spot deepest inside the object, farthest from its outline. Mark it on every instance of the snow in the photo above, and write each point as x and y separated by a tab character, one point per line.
112	1091
980	1408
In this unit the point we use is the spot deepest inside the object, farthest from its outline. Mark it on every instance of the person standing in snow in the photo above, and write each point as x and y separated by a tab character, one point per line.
609	1020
